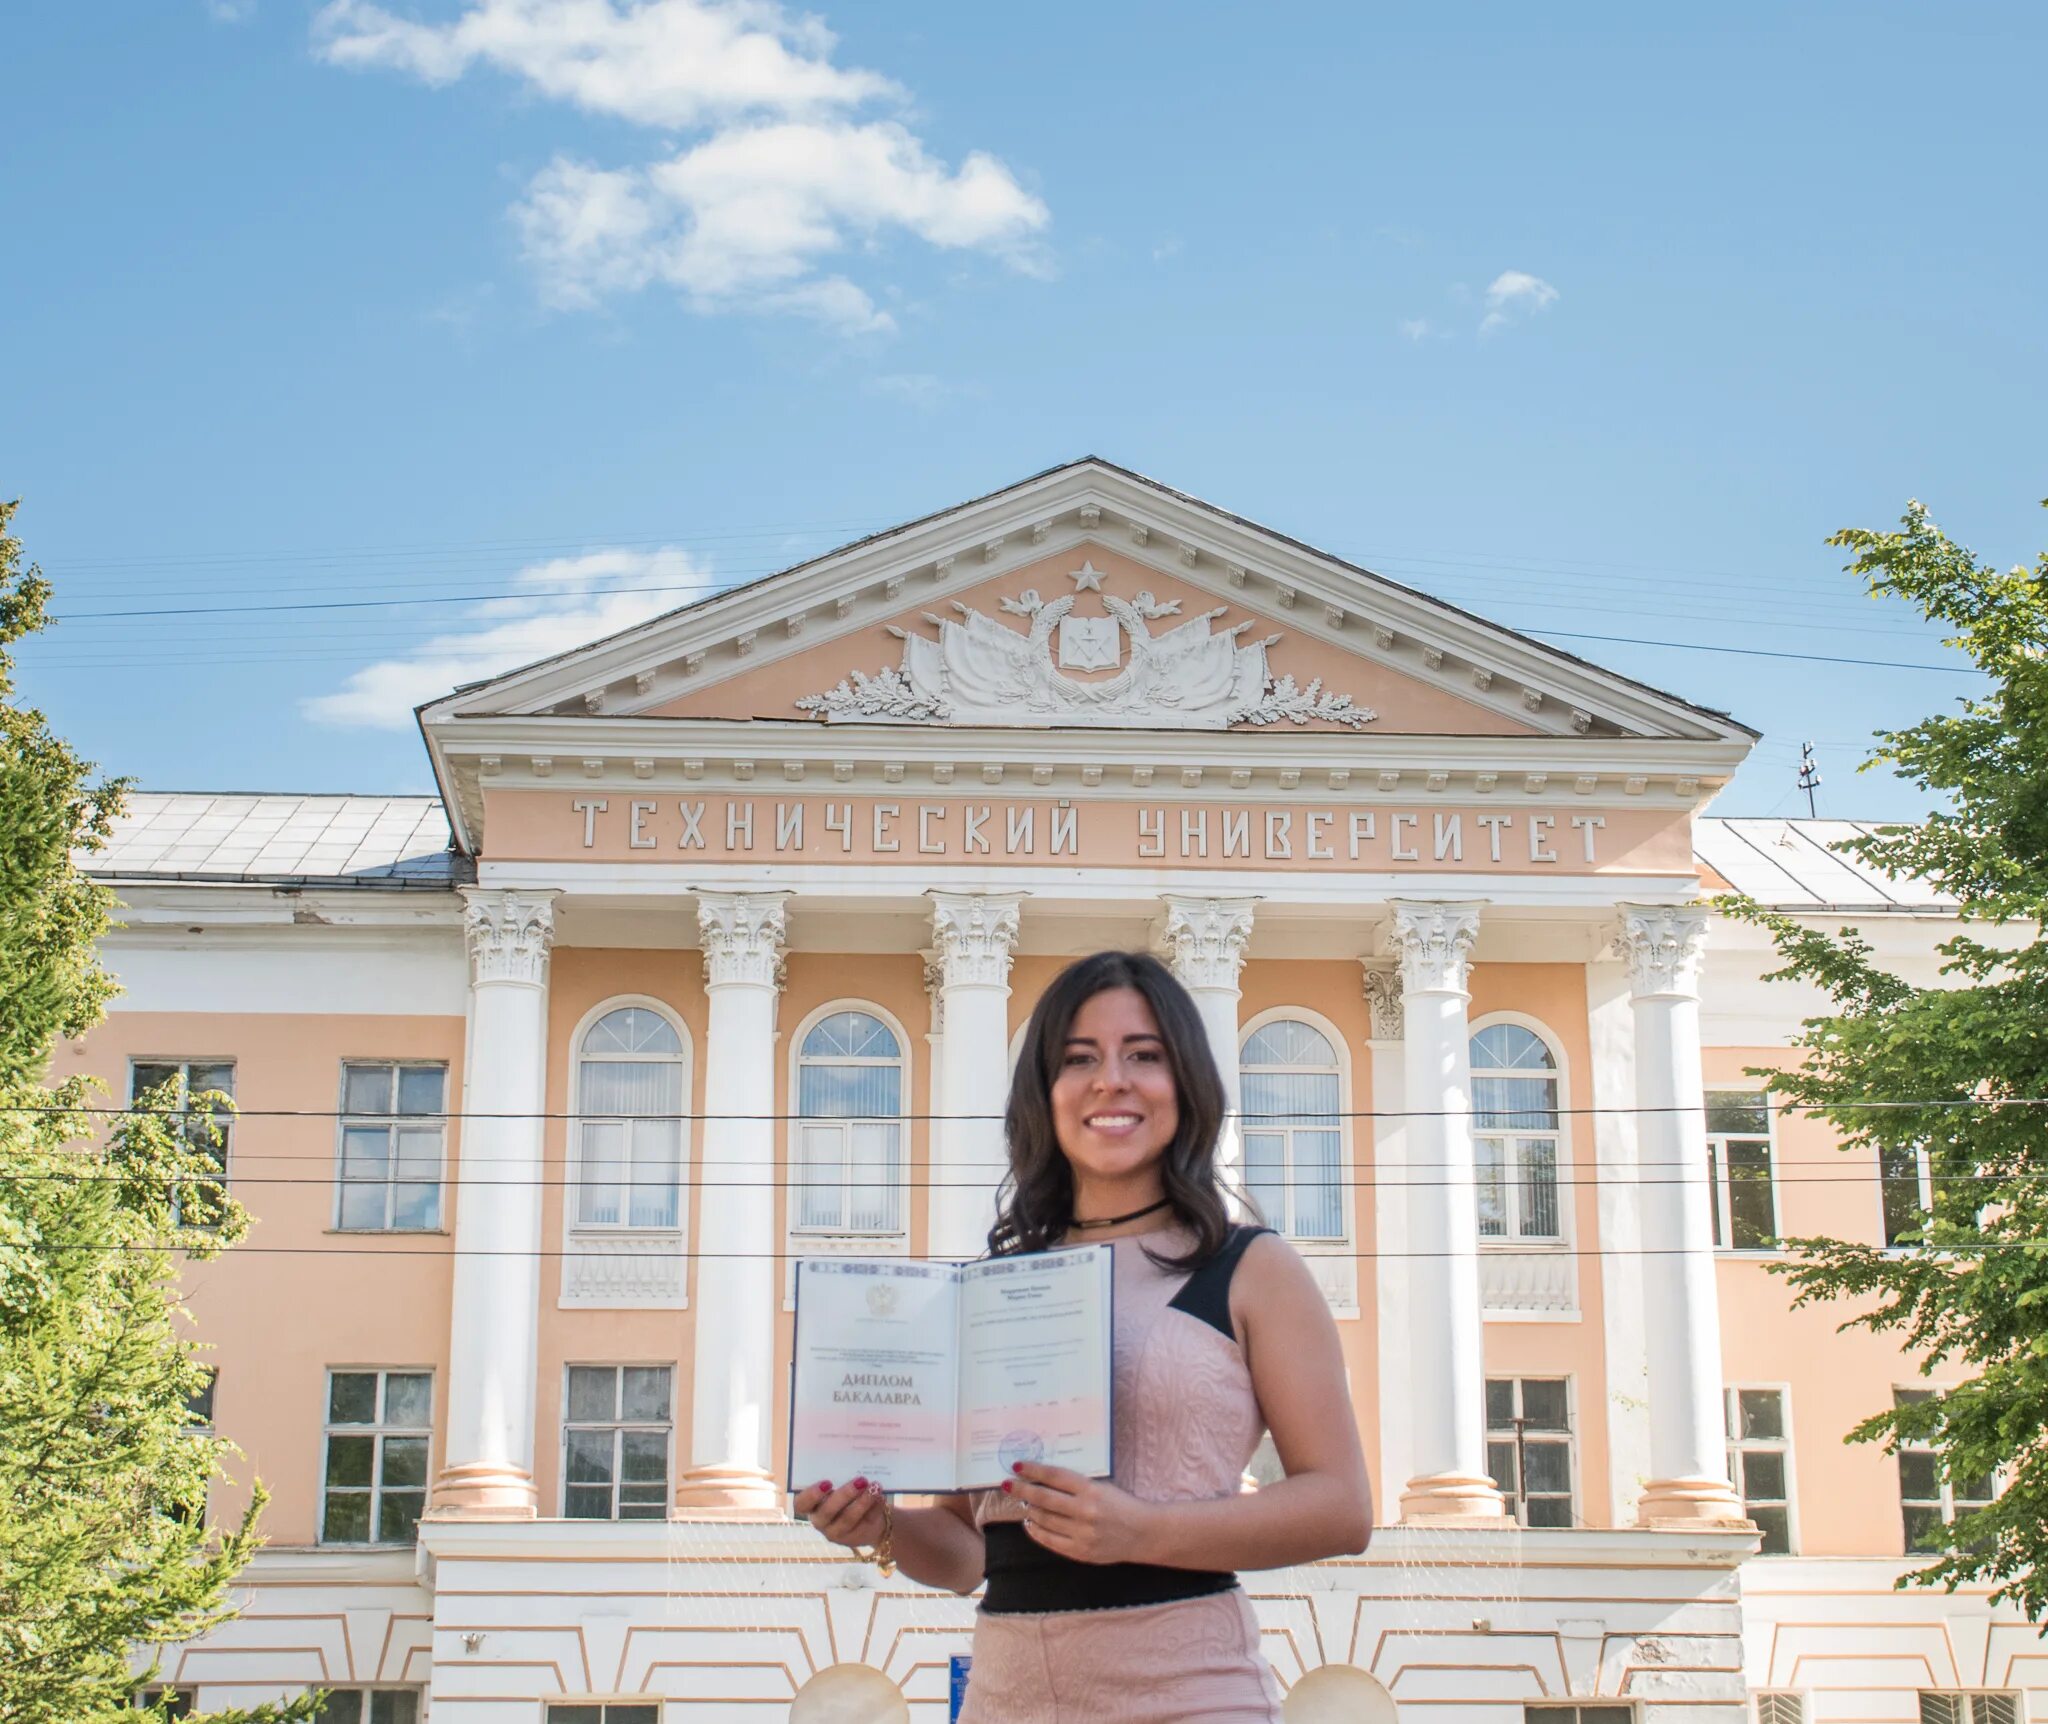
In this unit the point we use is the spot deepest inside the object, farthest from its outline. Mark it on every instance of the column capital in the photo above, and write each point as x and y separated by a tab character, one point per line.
935	987
509	932
1433	942
742	935
973	937
1205	938
1384	1000
1663	945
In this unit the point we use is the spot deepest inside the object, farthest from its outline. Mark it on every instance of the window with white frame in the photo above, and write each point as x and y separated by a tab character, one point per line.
629	1102
1780	1706
1930	1502
1906	1191
1515	1135
1760	1461
379	1424
393	1136
604	1712
207	1129
1968	1706
1529	1447
1290	1099
370	1706
848	1173
615	1442
1613	1712
1739	1170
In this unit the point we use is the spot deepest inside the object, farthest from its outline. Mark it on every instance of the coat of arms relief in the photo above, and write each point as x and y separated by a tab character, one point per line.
1188	676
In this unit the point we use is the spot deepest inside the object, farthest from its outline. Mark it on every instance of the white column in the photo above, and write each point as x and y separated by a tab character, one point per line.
973	936
1392	1297
494	1318
1448	1377
1204	941
732	1398
1681	1307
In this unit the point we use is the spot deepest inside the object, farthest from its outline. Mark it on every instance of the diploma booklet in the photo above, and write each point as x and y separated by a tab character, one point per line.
935	1377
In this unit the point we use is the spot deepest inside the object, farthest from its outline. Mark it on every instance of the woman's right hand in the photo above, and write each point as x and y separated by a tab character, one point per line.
850	1515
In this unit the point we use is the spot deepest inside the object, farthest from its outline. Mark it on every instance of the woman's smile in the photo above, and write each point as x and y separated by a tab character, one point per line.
1114	1105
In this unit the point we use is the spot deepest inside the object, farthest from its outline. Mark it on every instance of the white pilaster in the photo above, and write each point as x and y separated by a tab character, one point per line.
494	1318
1204	942
1390	1229
1688	1458
1448	1396
973	936
732	1397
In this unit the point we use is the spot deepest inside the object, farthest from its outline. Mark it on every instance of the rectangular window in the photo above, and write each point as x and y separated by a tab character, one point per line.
173	1702
1739	1167
1929	1502
379	1424
1621	1713
615	1443
1529	1447
370	1706
1907	1192
604	1712
1760	1462
189	1079
1782	1707
1952	1706
392	1136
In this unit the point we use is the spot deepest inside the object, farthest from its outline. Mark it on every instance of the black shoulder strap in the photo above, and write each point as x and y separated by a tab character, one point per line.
1206	1296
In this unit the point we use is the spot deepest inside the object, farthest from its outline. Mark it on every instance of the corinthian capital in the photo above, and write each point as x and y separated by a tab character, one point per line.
509	934
1663	944
1205	938
973	935
1432	942
742	937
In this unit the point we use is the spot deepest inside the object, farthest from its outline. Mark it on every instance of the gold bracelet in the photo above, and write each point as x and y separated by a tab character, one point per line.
883	1556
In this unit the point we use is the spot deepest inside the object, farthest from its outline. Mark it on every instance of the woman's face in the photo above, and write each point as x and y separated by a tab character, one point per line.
1114	1106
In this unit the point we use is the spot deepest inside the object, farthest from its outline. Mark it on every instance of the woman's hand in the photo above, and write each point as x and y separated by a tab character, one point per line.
1087	1519
850	1515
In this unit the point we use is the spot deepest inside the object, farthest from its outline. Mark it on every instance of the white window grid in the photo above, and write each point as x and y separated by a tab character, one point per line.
847	1155
392	1147
193	1077
1757	1418
1604	1712
379	1428
1929	1502
1741	1168
629	1146
1971	1706
604	1712
1529	1443
1518	1142
370	1706
1780	1706
1290	1096
618	1427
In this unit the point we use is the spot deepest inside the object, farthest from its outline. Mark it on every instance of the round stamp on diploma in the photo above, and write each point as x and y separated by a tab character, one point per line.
1020	1446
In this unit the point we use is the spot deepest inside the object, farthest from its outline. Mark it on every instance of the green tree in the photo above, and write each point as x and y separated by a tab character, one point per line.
1947	1081
103	1543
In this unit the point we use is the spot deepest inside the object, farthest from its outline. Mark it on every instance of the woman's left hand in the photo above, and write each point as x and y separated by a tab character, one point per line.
1087	1519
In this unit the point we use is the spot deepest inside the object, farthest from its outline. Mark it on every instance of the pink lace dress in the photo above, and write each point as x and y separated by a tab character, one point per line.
1186	1424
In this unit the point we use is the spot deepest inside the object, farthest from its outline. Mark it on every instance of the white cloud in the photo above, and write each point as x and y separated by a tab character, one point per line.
231	11
576	599
1512	295
784	175
1415	328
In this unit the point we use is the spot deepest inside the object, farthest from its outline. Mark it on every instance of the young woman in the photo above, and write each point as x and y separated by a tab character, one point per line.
1114	1601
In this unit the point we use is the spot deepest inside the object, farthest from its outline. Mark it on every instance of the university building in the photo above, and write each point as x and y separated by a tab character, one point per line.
713	952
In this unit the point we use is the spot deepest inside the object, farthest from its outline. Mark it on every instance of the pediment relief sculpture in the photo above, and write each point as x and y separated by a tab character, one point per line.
976	669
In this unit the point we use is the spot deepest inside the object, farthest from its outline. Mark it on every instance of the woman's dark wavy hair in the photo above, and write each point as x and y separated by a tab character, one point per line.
1036	1204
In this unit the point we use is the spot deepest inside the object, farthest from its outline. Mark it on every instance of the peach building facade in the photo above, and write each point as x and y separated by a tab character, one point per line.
713	953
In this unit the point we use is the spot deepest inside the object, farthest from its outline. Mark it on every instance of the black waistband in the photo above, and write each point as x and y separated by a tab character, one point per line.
1023	1576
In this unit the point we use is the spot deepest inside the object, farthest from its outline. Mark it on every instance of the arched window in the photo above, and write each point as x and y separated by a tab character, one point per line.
848	1176
1293	1139
1514	1134
629	1103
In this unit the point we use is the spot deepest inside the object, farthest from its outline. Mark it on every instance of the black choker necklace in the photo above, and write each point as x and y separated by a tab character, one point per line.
1119	1220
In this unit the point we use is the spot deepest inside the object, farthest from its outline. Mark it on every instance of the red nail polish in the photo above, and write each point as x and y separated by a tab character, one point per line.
1006	1484
860	1484
1017	1467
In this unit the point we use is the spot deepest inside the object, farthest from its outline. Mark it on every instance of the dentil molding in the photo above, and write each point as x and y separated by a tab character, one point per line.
742	936
1663	945
1205	939
509	934
1433	943
973	936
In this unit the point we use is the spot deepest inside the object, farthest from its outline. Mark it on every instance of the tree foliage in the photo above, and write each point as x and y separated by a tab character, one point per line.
103	1543
1951	1078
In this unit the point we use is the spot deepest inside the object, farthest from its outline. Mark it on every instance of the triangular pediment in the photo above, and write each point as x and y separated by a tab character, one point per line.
1088	598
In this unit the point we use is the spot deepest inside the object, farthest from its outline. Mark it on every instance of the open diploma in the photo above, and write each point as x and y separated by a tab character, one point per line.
935	1377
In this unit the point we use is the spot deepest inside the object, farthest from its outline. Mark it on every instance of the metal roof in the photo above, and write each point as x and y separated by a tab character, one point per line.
389	841
398	841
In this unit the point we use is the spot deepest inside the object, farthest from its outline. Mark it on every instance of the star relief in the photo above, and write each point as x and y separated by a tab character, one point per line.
1087	579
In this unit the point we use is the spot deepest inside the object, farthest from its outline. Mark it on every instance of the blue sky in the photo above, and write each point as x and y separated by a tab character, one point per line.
1594	318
